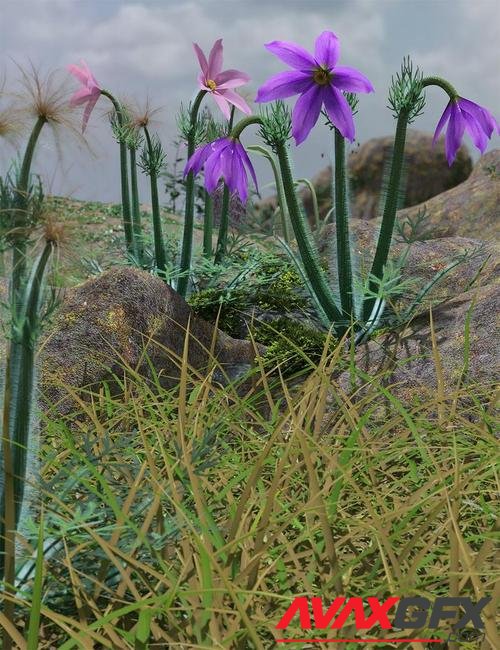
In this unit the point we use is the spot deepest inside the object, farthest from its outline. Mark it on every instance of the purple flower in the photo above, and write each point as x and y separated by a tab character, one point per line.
319	81
223	158
464	115
220	83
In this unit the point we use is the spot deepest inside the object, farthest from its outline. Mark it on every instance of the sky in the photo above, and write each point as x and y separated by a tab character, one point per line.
143	49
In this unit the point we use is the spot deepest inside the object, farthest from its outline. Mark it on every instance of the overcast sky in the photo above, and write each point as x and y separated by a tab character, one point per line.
144	48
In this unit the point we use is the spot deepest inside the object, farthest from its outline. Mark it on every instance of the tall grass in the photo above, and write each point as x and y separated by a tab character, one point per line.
191	517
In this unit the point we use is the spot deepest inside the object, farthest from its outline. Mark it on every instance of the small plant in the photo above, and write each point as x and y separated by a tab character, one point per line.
321	82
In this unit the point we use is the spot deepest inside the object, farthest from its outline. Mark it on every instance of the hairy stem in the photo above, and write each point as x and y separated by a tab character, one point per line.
136	211
126	211
389	215
442	83
187	235
18	408
159	245
21	212
220	251
208	224
344	266
309	257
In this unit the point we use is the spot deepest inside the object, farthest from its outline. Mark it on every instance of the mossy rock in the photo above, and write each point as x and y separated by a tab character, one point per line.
127	317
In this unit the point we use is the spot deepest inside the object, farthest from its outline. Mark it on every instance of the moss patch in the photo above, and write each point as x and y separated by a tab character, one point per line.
275	288
292	345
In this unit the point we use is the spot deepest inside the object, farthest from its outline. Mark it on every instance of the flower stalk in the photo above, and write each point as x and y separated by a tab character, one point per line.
21	201
312	267
208	225
18	409
152	162
126	211
136	210
221	248
344	265
187	235
390	208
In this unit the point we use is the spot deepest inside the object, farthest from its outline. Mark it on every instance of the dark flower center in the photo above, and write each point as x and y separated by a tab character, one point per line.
322	76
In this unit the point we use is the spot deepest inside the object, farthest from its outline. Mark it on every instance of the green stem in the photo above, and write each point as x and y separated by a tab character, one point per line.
442	83
7	511
208	224
344	266
126	212
390	208
221	249
21	212
187	236
242	124
159	246
19	404
136	211
309	257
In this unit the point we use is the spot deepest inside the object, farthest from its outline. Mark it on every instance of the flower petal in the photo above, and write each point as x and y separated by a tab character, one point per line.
246	160
81	75
351	80
454	133
327	49
306	112
197	160
212	174
80	97
88	110
442	121
202	59
339	112
222	104
238	181
237	100
292	54
474	128
283	85
231	79
215	59
486	120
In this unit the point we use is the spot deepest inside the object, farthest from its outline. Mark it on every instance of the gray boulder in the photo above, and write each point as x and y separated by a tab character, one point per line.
116	320
471	209
427	174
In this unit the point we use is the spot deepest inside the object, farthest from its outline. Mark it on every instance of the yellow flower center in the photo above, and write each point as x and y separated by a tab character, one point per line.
322	76
211	84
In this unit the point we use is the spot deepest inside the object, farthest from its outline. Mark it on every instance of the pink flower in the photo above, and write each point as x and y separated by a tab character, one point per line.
88	94
220	83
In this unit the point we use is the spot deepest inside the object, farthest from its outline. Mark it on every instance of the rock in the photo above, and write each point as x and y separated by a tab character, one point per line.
425	259
112	319
473	284
471	209
409	356
427	174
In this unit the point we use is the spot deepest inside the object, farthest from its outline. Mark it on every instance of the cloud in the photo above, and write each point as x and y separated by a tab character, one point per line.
139	49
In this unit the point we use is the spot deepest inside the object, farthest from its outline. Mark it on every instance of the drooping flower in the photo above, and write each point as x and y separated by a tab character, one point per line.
220	83
319	81
224	158
88	94
463	115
